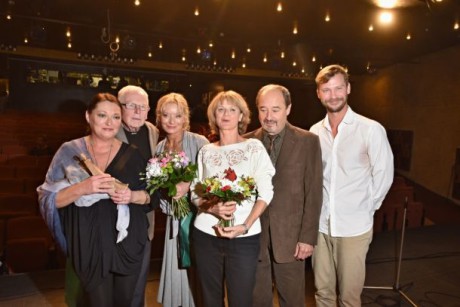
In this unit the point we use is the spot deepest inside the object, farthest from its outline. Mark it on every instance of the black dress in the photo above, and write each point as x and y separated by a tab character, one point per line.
91	231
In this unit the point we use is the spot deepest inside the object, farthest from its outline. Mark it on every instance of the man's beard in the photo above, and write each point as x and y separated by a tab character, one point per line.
335	108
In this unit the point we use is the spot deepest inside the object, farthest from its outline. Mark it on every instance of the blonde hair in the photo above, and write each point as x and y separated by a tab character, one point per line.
178	100
330	71
234	98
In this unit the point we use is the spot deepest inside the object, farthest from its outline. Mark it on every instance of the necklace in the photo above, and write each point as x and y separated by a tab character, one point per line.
94	154
176	147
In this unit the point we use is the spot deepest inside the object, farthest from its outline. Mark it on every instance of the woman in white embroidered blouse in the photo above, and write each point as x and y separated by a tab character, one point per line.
218	257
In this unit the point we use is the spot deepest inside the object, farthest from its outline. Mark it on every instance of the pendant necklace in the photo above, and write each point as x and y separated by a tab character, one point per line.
94	154
177	147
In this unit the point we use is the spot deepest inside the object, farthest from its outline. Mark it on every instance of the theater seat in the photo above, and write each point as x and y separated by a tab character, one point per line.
11	186
12	205
27	255
29	245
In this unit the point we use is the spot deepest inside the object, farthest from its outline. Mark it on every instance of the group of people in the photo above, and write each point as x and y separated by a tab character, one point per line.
316	195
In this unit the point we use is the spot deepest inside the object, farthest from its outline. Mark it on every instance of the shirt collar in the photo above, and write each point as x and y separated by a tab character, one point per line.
347	119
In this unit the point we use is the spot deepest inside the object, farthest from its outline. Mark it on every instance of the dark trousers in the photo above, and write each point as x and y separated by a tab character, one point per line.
139	291
288	279
219	259
115	291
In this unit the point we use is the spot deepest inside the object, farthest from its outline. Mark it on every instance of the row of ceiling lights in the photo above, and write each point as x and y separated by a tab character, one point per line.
385	18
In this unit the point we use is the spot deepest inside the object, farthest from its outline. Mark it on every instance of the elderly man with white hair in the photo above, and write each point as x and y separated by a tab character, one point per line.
137	130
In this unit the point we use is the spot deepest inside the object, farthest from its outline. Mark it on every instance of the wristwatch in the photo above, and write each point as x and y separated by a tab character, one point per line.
246	229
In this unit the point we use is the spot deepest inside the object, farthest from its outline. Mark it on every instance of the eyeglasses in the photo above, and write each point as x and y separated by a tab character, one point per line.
133	106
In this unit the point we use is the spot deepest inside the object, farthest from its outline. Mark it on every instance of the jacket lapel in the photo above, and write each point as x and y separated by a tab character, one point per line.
258	134
287	147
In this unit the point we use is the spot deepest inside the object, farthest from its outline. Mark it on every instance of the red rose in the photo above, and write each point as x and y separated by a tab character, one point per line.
225	188
230	174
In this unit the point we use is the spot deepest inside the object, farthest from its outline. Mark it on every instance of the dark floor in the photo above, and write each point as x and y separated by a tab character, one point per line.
429	271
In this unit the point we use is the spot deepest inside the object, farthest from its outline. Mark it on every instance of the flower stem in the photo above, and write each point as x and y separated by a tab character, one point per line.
180	207
227	223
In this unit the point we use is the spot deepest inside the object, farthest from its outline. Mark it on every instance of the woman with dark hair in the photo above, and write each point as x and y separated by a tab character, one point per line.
98	218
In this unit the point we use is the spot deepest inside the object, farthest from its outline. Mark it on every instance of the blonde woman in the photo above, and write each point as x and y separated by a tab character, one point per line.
173	117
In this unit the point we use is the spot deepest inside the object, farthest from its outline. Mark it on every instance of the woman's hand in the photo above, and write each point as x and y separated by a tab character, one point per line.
102	183
223	210
182	189
230	232
122	197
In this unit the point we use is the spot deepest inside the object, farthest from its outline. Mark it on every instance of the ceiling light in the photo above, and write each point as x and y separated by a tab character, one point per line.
408	36
386	17
117	39
150	54
265	58
392	4
183	58
327	18
313	59
197	11
137	2
279	7
282	54
248	50
303	70
456	25
371	28
294	63
211	44
8	16
69	45
233	54
294	30
26	40
198	50
160	45
67	33
388	4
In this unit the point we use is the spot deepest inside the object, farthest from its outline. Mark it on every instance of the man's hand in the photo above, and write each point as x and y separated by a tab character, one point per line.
303	251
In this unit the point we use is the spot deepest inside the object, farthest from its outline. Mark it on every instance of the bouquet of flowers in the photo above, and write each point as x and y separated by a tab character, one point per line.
227	187
167	169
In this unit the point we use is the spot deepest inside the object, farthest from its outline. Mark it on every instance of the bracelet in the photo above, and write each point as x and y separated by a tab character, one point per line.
246	229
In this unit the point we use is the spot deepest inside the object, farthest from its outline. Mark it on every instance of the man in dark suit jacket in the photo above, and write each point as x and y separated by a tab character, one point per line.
290	222
138	131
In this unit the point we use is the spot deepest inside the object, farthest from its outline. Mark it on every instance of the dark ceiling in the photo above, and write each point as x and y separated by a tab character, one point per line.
233	26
